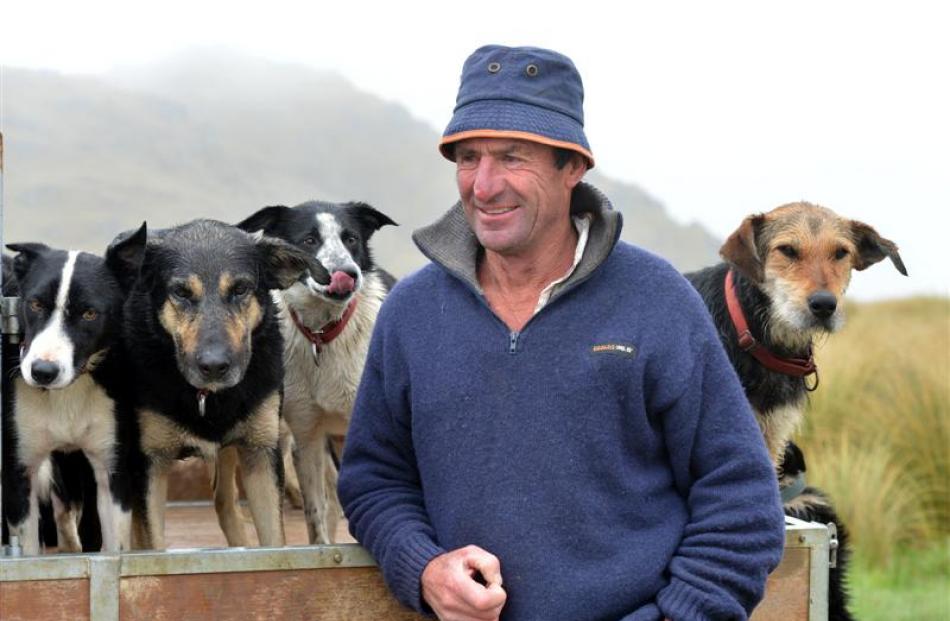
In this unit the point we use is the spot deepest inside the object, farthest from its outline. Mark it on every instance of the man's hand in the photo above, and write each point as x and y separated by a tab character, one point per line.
450	585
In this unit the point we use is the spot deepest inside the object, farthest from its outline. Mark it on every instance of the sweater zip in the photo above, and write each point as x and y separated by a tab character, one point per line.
513	342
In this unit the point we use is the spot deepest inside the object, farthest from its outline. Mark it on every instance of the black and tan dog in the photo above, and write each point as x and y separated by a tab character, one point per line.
780	287
785	274
208	366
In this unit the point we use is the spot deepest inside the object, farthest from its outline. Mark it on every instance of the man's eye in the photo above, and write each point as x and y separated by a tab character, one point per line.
90	314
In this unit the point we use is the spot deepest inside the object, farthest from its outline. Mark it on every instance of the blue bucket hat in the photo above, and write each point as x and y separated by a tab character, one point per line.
519	92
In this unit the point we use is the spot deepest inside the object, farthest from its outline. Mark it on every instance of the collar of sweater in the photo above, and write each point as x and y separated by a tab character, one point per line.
450	242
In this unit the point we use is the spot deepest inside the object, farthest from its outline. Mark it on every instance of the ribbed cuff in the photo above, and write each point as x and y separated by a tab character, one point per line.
683	602
408	562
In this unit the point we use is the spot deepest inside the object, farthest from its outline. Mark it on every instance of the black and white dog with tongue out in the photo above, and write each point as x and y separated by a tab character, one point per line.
68	390
326	329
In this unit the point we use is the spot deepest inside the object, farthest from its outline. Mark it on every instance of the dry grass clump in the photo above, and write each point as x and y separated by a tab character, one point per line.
877	432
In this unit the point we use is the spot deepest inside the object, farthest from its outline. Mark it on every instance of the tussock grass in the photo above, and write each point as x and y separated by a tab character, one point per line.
877	432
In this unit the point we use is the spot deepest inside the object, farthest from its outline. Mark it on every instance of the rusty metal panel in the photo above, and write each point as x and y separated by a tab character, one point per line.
49	600
315	582
344	594
787	589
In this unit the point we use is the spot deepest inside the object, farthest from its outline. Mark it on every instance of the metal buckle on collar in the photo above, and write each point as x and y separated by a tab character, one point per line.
202	397
747	342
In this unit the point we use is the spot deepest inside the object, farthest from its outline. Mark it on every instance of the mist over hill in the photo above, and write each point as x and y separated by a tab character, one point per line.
219	135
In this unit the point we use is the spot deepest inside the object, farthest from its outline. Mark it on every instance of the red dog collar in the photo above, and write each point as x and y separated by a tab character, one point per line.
319	338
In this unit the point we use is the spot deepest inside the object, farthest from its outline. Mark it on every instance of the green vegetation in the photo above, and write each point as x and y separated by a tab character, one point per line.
913	587
877	440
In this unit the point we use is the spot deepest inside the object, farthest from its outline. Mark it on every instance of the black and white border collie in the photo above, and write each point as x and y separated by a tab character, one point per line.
67	390
326	331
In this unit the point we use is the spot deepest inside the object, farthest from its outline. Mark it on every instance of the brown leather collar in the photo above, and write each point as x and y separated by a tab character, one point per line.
797	367
329	331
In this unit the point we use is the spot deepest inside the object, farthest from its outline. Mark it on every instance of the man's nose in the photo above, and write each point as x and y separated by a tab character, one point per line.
488	181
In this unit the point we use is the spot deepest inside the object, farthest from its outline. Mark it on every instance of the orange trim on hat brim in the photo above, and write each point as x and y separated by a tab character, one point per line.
497	133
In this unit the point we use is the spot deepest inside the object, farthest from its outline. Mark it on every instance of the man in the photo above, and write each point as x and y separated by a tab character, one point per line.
547	427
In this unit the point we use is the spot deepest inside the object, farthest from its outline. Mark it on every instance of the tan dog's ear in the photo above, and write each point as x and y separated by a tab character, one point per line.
741	251
873	248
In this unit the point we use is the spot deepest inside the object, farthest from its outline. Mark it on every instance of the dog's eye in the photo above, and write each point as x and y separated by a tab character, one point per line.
349	240
36	306
310	240
841	253
240	290
90	314
788	251
181	292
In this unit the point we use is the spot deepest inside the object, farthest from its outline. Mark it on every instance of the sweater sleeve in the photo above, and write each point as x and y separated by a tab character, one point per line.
379	484
735	534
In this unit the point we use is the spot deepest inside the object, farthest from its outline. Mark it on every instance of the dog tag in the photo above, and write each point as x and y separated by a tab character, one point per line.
315	352
201	403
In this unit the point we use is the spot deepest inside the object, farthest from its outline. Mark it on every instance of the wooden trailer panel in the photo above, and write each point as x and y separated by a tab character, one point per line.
327	594
333	583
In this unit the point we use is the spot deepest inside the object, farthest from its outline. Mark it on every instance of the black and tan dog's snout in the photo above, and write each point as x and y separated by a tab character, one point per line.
213	362
822	304
221	353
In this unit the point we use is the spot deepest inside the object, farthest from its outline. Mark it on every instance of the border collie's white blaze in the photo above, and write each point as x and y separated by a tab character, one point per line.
49	361
334	255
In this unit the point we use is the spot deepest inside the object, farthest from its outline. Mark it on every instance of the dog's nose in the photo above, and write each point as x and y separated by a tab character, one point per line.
44	372
822	304
213	363
342	283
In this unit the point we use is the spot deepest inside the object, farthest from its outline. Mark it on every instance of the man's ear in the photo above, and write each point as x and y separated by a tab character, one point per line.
263	219
26	254
741	249
873	248
125	255
283	264
371	219
576	168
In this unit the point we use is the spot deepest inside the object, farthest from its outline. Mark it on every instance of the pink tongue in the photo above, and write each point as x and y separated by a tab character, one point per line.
341	282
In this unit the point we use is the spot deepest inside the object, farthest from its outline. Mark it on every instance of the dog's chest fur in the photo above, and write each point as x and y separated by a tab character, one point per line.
328	387
80	416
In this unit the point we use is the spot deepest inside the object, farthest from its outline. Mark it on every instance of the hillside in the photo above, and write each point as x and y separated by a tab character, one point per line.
218	135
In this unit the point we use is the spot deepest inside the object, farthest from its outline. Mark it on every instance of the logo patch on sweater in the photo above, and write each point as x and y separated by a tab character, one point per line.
618	349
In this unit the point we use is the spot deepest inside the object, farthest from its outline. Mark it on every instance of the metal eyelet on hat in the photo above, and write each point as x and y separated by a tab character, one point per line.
531	70
494	67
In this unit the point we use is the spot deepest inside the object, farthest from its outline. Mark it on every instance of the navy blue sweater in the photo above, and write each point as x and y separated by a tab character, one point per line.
606	453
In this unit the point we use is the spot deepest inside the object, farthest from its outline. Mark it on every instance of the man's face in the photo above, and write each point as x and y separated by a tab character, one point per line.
515	199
